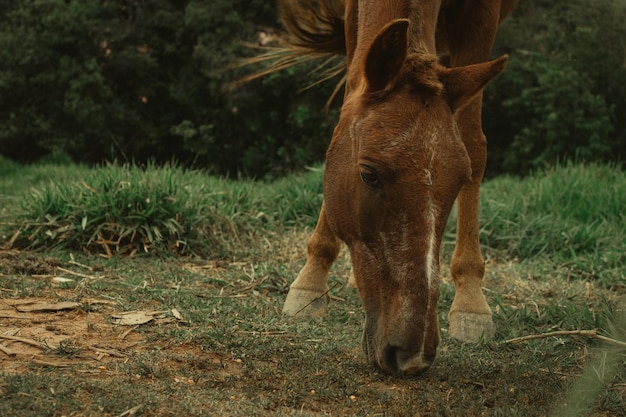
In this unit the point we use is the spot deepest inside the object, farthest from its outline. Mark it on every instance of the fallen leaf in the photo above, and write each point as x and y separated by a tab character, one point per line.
61	280
177	314
132	318
10	315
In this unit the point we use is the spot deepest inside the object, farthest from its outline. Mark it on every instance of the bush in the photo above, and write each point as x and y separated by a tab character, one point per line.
553	115
562	95
123	209
139	80
136	80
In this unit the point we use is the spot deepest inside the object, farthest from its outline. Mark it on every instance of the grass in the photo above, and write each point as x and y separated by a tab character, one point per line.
572	215
235	354
128	209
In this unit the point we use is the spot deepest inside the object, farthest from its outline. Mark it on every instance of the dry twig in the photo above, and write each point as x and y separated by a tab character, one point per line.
78	274
317	298
6	350
51	364
126	333
131	411
592	334
73	262
110	352
24	340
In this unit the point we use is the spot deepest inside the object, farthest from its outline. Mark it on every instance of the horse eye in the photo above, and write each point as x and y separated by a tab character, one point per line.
369	176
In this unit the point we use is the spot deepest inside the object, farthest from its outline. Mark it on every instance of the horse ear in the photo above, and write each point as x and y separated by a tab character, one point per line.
464	83
387	55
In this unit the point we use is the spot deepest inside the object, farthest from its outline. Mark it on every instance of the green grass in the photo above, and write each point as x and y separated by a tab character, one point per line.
128	209
571	217
237	355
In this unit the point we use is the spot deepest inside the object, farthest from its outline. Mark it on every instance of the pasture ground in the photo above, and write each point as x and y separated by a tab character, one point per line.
160	334
175	337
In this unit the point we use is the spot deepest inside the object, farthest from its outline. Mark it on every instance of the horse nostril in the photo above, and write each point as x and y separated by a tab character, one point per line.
391	359
415	365
396	360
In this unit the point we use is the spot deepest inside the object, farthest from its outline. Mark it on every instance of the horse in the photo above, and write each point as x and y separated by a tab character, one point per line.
408	144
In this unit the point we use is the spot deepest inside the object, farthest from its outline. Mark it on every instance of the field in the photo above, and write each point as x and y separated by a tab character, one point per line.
158	292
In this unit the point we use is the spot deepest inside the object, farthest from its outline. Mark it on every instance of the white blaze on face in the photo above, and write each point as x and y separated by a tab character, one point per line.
431	254
430	218
430	267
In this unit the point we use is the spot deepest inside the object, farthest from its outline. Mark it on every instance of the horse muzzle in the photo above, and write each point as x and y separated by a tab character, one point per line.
407	359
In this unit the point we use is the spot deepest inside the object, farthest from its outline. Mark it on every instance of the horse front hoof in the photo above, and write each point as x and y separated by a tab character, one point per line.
471	327
306	303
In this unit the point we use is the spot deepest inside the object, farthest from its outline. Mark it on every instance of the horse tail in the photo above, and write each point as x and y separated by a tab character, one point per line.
315	31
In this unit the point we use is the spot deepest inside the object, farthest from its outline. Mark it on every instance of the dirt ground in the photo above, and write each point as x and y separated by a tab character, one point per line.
95	333
49	323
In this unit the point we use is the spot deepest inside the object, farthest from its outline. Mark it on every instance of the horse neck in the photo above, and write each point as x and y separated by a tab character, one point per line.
365	18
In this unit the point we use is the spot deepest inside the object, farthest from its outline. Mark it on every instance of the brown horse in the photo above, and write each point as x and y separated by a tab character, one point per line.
408	143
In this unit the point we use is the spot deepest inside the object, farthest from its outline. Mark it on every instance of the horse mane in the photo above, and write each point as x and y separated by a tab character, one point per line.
315	30
316	26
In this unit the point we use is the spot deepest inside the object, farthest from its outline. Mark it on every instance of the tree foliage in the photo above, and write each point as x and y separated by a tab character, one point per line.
144	79
563	95
135	80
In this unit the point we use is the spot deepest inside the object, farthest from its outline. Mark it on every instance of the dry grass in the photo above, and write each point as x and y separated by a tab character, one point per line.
234	354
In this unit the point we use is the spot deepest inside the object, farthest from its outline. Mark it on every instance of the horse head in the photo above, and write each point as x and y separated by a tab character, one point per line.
393	171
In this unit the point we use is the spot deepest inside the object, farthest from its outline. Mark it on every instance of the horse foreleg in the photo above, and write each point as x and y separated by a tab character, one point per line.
470	36
308	294
470	315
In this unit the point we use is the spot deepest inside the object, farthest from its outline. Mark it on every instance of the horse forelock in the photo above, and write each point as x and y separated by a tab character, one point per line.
419	74
421	70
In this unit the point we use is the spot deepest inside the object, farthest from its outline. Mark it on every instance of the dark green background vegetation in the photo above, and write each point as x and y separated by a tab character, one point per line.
135	80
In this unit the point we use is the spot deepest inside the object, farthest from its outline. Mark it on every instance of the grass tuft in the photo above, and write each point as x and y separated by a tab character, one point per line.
127	209
568	219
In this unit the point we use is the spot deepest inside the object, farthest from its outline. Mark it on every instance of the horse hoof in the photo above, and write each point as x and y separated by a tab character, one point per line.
471	327
352	279
306	303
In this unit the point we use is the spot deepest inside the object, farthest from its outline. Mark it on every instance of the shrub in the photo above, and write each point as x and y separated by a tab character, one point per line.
562	95
552	114
141	80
